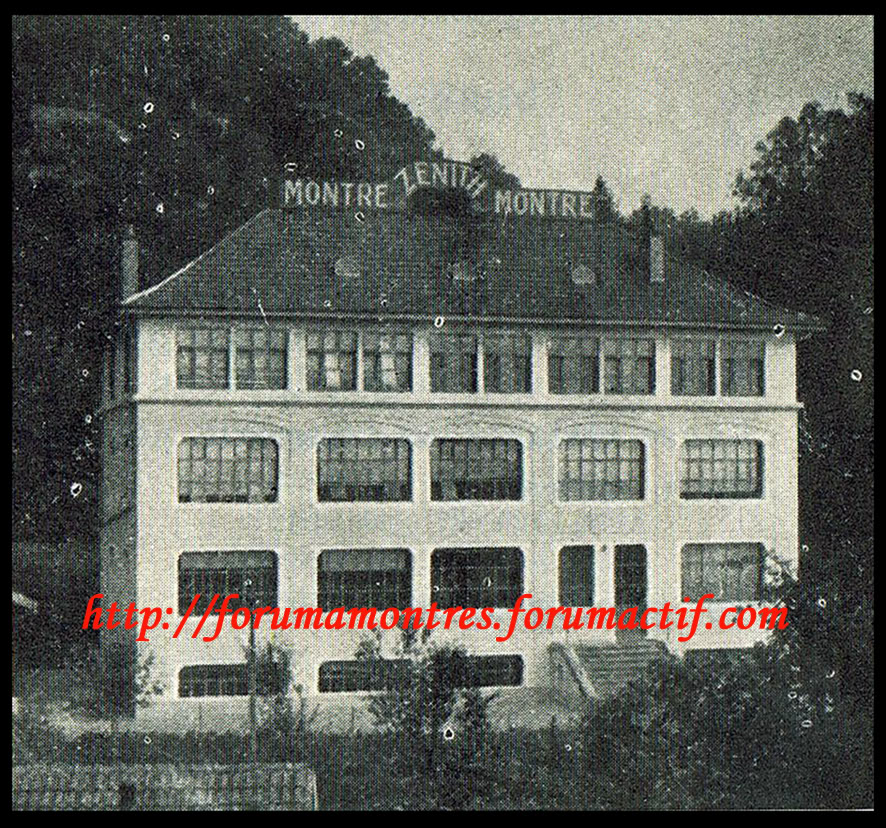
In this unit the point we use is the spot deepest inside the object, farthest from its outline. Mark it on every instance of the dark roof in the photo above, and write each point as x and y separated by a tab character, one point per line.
414	266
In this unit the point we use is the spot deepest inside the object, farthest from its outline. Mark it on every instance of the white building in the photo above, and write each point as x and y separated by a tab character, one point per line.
397	407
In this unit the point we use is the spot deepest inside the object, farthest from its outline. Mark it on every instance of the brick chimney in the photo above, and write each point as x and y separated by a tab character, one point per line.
129	264
656	259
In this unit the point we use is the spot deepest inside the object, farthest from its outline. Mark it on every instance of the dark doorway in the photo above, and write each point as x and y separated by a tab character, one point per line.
630	585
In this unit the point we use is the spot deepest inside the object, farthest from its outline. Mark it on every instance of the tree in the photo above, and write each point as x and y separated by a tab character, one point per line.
178	124
607	210
494	171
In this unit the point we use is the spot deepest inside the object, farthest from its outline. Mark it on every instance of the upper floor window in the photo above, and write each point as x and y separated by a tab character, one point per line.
507	363
332	360
366	468
728	571
693	363
628	366
453	362
574	365
577	576
227	470
721	469
250	575
202	359
476	470
378	578
476	577
260	357
601	469
742	368
387	361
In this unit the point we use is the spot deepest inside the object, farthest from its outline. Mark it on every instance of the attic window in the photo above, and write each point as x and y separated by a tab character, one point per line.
583	275
347	267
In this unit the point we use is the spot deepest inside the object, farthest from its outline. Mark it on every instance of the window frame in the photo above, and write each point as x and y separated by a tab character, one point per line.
476	368
725	376
338	331
559	482
698	341
557	350
500	344
238	666
496	601
405	589
193	329
454	440
268	350
760	581
409	484
683	460
204	602
228	437
367	358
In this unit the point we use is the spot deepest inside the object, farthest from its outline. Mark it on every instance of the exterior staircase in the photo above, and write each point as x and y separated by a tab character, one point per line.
609	668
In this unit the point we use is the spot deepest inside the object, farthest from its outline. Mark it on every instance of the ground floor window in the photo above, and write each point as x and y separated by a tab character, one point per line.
250	575
729	571
386	674
226	680
476	577
354	675
350	578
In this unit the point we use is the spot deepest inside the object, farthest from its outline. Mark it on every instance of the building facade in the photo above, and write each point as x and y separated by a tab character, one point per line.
396	408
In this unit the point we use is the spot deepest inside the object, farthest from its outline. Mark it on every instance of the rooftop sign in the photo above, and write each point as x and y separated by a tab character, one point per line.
366	196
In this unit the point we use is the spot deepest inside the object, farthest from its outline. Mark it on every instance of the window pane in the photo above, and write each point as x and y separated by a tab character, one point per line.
332	360
252	575
227	470
574	365
476	470
476	577
453	363
387	361
378	578
507	360
721	469
364	469
202	357
628	366
601	469
742	368
729	571
260	358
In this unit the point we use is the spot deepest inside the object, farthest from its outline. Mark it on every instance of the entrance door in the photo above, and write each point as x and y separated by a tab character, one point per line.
630	585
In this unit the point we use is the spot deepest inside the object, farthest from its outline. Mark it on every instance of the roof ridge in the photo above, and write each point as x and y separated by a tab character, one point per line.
148	291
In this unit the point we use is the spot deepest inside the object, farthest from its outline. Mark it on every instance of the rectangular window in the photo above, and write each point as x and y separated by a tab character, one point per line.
453	362
387	361
203	357
476	577
742	368
577	576
226	680
227	470
476	470
721	469
364	469
493	671
507	363
728	571
332	360
692	367
629	366
378	578
260	357
601	469
251	575
371	674
574	365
